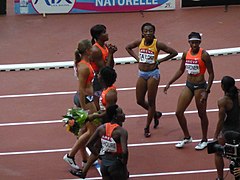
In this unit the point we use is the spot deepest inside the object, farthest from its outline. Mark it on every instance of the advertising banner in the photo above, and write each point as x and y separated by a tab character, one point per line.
90	6
194	3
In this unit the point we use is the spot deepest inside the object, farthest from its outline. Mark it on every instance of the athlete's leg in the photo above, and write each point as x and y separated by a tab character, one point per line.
202	113
219	162
184	100
141	89
152	88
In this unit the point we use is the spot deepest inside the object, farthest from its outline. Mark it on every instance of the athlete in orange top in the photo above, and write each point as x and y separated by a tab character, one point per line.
103	60
85	77
149	73
107	77
102	56
103	99
196	61
114	151
116	148
91	71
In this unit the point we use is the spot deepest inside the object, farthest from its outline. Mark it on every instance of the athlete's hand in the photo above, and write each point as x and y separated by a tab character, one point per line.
166	88
112	48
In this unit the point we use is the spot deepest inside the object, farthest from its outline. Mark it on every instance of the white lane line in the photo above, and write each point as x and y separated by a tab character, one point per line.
166	173
127	116
72	92
68	149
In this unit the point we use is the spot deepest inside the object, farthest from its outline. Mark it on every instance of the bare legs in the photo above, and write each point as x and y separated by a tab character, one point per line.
184	100
219	162
151	86
80	144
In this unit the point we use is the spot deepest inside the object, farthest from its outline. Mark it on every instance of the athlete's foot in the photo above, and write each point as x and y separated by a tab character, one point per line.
78	173
147	132
157	116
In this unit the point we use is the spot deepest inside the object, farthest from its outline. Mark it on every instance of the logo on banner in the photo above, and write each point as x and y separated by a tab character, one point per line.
53	6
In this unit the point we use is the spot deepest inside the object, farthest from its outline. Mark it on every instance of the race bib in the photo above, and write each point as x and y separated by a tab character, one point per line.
108	145
102	107
192	67
146	56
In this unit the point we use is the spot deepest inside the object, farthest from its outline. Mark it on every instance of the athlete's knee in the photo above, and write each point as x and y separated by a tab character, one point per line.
141	102
203	116
179	114
151	103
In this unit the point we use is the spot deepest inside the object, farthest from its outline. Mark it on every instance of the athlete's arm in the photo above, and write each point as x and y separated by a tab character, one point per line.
178	74
95	138
124	142
221	117
97	57
208	63
83	73
172	52
110	60
111	98
130	48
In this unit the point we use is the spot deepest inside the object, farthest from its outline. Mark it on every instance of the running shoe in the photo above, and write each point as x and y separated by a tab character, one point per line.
183	142
147	132
78	173
202	145
70	161
157	116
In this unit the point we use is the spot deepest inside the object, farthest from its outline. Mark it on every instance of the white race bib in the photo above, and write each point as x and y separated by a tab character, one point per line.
108	145
146	56
192	67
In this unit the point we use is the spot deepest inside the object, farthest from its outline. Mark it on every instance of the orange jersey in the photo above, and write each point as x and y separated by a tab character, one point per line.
102	101
194	63
105	53
91	75
148	54
109	129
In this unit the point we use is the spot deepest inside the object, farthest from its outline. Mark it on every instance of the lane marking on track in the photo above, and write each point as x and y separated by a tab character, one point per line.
72	92
166	173
68	149
118	61
127	116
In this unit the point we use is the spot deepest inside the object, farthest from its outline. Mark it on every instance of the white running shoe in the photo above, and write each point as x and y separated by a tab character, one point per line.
202	145
183	142
70	161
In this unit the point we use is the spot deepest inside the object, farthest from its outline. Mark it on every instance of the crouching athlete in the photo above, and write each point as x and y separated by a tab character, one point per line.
112	138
